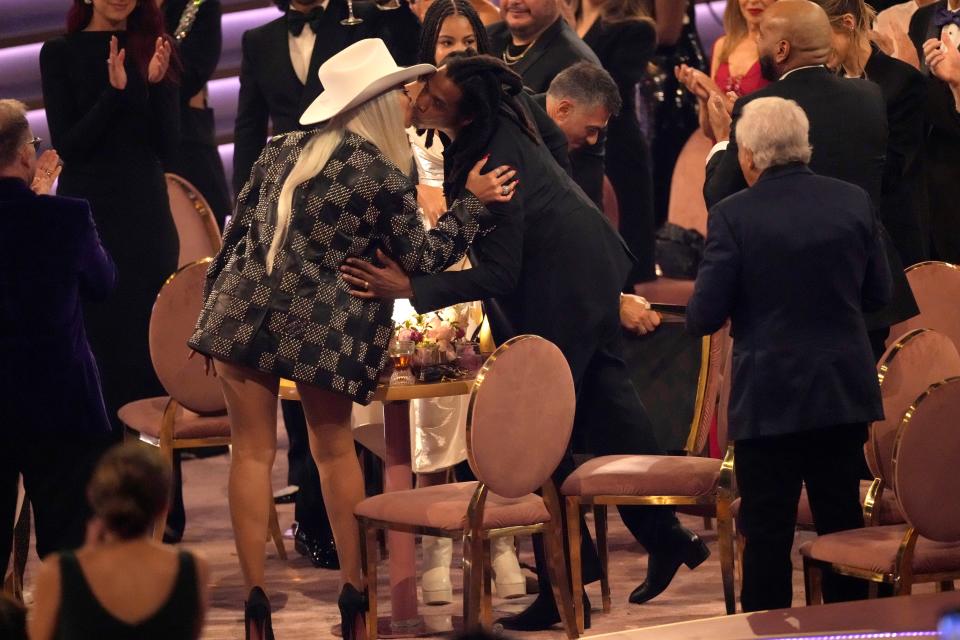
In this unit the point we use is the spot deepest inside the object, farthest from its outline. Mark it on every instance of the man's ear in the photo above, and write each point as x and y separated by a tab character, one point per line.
783	51
564	109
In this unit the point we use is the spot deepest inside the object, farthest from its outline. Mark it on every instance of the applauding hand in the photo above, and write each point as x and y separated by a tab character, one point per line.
48	170
160	61
116	72
943	59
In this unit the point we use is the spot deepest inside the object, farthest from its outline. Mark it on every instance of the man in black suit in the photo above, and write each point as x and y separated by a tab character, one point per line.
793	261
536	42
278	72
53	422
554	267
848	128
940	21
278	80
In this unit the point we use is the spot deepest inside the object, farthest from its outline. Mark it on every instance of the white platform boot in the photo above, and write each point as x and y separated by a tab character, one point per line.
435	579
508	578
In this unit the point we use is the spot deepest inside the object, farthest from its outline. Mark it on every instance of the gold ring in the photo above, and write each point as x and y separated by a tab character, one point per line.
366	285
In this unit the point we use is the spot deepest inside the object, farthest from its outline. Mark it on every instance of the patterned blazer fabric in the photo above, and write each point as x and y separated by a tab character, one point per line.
300	321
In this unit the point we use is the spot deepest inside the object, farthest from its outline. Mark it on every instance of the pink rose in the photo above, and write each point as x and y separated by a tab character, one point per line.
443	333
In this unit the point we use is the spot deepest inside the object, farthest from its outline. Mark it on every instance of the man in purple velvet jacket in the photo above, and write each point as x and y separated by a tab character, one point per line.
53	423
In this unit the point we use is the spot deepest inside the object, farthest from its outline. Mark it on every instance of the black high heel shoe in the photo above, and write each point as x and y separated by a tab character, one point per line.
353	605
256	616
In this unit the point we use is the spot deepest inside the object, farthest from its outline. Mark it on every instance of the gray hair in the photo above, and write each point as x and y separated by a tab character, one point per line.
14	130
776	131
588	85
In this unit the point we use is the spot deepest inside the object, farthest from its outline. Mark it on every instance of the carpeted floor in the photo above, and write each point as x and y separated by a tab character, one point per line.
304	598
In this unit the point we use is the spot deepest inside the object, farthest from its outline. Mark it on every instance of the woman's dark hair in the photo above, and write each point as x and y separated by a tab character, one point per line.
283	5
489	89
433	22
129	489
144	26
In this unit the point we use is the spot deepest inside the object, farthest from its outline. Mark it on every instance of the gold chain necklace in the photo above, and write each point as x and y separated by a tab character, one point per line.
510	60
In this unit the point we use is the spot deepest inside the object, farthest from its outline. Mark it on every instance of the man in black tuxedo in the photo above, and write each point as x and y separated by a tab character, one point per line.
536	42
793	261
278	72
940	21
554	267
848	128
278	80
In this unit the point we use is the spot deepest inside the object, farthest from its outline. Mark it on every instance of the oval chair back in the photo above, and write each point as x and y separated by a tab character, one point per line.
715	352
936	287
172	322
915	361
926	458
520	416
197	228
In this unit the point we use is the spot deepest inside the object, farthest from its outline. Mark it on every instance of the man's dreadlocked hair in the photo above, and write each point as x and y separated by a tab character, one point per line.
433	21
489	90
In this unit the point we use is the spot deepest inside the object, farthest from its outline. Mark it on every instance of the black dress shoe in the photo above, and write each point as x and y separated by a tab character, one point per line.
690	550
322	553
540	615
287	495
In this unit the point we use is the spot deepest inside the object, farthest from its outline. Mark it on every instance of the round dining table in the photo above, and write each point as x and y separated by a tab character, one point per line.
404	620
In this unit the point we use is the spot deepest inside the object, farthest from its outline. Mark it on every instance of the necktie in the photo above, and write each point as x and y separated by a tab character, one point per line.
296	20
943	16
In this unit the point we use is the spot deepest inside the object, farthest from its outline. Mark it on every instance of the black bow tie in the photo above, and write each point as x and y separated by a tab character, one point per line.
944	16
297	19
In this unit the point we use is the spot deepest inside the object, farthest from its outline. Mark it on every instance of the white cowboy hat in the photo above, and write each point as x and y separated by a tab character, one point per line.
362	71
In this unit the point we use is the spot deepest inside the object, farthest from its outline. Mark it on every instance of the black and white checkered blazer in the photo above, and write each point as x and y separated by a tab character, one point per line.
300	322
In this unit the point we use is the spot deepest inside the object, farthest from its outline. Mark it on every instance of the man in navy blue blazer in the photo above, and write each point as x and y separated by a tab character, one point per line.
793	261
53	423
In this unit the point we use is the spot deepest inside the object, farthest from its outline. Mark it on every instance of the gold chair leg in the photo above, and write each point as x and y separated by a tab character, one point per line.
600	524
725	542
707	523
738	565
368	565
812	582
556	562
573	552
486	605
472	581
276	534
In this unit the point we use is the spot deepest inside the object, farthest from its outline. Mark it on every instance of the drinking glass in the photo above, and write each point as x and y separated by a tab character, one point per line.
401	353
350	19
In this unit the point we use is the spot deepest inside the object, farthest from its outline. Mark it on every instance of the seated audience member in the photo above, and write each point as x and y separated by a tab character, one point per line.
54	424
793	261
938	22
121	584
903	197
848	125
13	619
735	63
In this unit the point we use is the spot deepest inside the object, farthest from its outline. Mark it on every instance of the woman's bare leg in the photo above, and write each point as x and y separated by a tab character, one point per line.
331	441
252	405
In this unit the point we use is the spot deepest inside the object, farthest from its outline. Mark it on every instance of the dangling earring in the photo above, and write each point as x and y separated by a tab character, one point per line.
87	1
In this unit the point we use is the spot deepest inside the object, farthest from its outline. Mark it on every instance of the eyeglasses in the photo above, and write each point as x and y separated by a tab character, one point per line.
35	141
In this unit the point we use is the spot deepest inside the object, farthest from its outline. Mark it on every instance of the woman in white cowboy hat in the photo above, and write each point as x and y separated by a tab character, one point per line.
275	306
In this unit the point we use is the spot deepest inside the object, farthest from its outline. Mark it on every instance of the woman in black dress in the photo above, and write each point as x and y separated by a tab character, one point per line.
196	30
112	110
624	39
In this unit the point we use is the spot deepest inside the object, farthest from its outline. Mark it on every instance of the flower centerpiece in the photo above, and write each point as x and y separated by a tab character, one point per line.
444	329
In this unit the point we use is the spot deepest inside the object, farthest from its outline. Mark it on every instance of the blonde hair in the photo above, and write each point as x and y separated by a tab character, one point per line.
379	120
735	29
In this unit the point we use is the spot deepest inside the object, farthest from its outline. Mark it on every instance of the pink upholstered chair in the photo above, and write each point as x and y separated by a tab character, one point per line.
690	480
936	286
196	227
611	208
194	414
519	423
927	547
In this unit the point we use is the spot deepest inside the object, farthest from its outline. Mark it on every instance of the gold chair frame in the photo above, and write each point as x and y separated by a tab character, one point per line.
902	577
202	209
477	574
168	443
720	499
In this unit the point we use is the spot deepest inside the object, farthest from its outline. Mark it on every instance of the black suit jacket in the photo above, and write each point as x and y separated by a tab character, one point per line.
903	198
553	265
942	148
794	262
51	260
270	89
556	49
848	132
